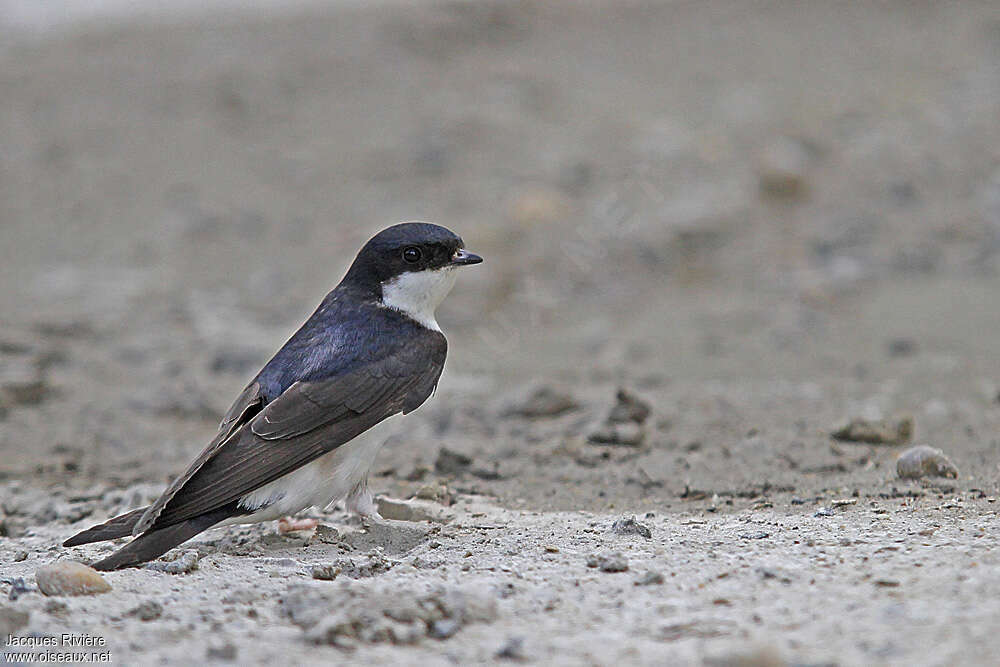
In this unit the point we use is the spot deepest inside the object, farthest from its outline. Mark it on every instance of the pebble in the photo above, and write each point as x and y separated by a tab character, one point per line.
20	555
627	434
877	432
629	526
625	423
513	649
326	572
444	628
183	564
435	492
149	610
56	607
21	380
70	578
761	535
326	535
629	408
543	402
17	588
901	347
372	564
225	652
781	169
649	578
610	562
450	462
925	461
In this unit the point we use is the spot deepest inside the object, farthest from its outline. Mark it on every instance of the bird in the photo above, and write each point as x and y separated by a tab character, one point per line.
372	350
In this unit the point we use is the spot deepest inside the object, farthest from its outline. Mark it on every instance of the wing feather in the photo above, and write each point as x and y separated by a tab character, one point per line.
308	420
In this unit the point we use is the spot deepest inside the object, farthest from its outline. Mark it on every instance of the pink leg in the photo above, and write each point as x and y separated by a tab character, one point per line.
289	525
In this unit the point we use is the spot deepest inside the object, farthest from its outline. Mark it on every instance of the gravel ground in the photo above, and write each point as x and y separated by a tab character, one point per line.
716	235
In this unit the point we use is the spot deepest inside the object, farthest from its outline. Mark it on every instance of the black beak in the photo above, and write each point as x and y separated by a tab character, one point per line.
464	257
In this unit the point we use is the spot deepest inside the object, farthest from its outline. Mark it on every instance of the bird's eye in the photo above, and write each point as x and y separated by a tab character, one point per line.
411	254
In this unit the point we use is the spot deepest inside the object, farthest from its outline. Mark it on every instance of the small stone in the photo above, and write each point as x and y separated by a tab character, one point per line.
418	473
488	474
327	572
843	502
21	380
823	512
12	620
56	607
760	535
326	535
225	652
513	649
626	434
17	589
925	461
20	555
451	462
649	578
444	628
183	564
437	493
70	578
424	564
150	610
610	562
877	432
372	564
774	573
629	526
781	169
629	408
542	402
901	347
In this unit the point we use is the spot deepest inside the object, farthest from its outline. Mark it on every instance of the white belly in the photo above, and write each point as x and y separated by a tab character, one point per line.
319	483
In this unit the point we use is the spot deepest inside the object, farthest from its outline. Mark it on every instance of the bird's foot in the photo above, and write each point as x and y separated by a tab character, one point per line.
289	525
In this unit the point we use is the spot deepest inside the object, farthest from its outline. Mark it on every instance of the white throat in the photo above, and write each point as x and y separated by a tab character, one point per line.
419	293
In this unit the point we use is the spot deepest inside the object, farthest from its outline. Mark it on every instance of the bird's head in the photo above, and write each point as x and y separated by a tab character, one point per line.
410	267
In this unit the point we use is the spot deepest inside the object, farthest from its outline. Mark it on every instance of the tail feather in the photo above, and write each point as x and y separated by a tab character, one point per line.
120	526
158	541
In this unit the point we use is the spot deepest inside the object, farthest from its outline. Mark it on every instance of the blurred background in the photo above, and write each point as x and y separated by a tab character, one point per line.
762	216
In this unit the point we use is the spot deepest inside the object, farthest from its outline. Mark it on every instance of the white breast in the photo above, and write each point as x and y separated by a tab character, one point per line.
419	293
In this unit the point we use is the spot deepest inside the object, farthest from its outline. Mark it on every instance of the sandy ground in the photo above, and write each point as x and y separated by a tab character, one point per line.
763	219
